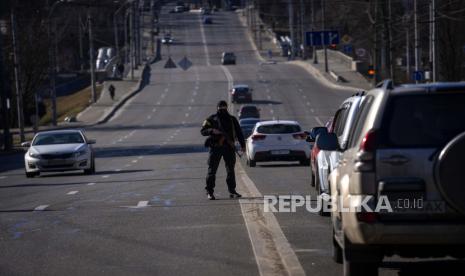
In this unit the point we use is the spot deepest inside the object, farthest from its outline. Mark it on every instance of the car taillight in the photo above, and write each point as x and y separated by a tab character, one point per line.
300	136
258	137
365	159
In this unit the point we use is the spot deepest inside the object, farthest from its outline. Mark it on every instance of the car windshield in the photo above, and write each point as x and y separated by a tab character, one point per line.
423	120
58	138
279	129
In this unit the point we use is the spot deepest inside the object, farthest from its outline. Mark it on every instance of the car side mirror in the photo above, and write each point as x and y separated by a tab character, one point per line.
309	138
26	144
91	141
327	141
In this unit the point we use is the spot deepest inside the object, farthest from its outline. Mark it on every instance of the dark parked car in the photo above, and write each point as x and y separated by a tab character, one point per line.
249	111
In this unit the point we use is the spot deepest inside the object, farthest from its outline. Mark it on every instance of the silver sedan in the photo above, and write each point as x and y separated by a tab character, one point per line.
59	150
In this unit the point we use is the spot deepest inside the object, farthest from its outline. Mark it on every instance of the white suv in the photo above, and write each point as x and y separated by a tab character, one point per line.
404	161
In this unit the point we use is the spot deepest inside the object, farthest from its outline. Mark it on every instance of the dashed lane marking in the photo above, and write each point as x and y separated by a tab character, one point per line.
105	176
312	110
41	208
2	177
134	161
187	115
91	184
72	192
319	121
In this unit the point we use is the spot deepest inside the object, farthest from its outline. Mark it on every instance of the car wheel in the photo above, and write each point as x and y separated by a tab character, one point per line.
252	163
312	178
337	251
359	260
352	268
32	174
91	170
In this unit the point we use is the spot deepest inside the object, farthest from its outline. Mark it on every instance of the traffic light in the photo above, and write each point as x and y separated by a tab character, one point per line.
371	71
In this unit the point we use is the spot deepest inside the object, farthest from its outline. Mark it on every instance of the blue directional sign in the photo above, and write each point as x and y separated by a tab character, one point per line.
418	75
321	38
348	49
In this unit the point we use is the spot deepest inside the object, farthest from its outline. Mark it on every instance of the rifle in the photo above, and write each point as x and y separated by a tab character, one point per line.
224	136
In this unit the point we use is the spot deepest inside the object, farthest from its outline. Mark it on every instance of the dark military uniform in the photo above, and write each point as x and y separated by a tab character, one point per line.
222	146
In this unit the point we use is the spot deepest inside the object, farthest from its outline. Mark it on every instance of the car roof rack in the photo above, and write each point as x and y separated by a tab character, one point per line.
386	84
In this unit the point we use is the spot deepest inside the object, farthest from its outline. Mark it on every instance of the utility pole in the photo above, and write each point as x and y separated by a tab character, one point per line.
433	38
376	44
315	56
325	47
91	58
19	94
291	28
131	40
407	52
5	100
81	46
152	25
391	55
417	41
302	30
260	25
51	55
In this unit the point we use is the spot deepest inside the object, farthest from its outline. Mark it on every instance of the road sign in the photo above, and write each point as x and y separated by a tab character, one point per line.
170	64
360	52
346	39
185	63
418	75
321	38
348	49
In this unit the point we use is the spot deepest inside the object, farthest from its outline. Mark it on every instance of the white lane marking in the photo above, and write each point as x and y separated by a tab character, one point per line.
204	42
91	184
194	93
154	109
163	96
304	96
158	103
72	192
273	253
105	176
164	143
140	157
319	121
312	110
41	208
2	177
135	161
149	117
192	100
187	115
117	170
274	118
196	87
166	90
300	90
183	122
189	108
268	97
308	103
127	165
229	77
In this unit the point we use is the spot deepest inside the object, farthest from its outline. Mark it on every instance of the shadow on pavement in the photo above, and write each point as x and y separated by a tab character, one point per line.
453	267
145	150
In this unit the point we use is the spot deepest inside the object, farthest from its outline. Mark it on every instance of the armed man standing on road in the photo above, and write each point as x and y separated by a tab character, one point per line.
222	130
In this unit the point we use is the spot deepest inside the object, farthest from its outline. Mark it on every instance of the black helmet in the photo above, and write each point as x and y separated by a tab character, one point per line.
222	103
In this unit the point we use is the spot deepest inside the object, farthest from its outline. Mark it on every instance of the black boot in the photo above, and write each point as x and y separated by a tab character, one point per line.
234	195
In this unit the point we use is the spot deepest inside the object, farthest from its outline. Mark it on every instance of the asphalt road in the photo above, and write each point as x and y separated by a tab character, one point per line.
145	211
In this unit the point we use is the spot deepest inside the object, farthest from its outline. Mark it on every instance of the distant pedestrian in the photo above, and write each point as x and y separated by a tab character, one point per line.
112	89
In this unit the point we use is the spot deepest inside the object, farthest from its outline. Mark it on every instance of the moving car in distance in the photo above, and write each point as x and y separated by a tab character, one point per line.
228	58
58	151
277	141
241	93
167	39
249	111
247	125
179	9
